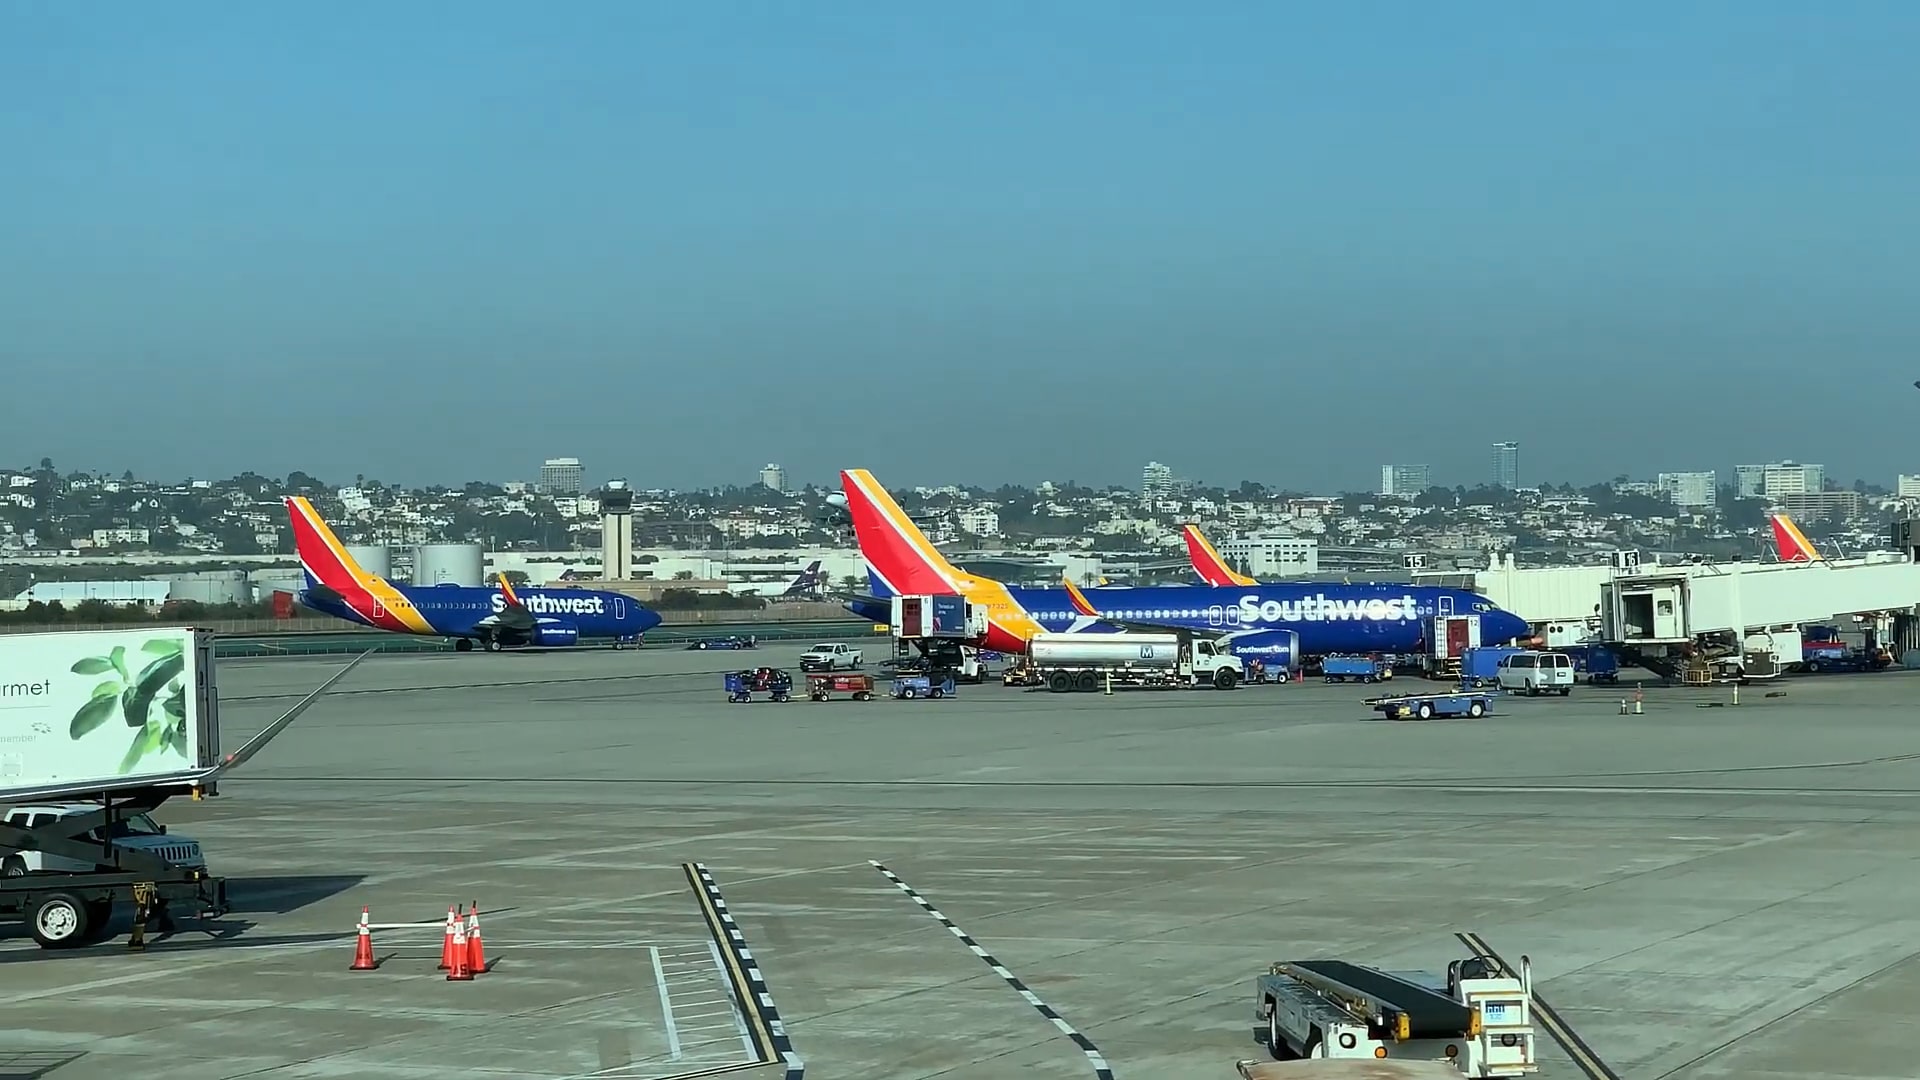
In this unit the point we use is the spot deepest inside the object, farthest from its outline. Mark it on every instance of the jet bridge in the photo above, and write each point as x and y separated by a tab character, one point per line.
1674	606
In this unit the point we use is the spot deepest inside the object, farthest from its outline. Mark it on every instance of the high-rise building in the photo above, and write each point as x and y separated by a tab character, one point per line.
1404	479
561	476
1156	481
1907	486
773	477
1780	478
1690	490
1506	465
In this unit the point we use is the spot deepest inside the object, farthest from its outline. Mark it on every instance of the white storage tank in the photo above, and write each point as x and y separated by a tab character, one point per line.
210	587
275	579
375	559
448	564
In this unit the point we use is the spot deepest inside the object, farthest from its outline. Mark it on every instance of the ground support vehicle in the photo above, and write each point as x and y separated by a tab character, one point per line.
733	642
1091	662
822	685
1364	669
830	656
67	873
1259	674
1440	703
1479	1019
773	682
940	685
78	842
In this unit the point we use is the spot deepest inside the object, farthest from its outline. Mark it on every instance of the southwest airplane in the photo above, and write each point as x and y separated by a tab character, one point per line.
496	618
1253	620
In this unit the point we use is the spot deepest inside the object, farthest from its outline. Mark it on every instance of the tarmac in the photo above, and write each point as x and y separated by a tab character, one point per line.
1704	892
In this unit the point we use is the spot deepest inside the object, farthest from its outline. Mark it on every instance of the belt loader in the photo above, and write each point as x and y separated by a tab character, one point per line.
1481	1023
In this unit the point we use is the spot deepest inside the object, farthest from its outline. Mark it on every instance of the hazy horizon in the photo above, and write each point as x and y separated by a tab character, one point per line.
1015	242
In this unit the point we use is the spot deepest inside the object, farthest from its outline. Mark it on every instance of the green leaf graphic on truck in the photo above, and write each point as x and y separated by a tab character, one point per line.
153	703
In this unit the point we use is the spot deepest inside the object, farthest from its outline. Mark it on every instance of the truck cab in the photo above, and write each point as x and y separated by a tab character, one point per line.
1213	664
134	832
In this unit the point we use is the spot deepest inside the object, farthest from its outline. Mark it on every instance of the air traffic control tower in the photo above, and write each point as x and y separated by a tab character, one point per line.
616	531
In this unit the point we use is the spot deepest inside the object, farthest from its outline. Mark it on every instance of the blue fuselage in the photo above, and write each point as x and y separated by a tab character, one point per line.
552	616
1328	618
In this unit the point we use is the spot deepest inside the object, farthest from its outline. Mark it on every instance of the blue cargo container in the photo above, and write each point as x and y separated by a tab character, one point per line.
949	616
1596	662
1480	666
1365	669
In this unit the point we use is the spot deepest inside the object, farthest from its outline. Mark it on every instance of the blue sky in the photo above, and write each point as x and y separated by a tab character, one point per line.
986	242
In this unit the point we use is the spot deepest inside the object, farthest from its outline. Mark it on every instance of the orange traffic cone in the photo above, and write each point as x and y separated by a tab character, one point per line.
460	971
446	941
363	951
476	954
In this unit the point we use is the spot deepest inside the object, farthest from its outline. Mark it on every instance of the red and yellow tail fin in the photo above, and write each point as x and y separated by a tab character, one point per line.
1207	562
1079	599
1790	543
894	547
322	555
506	590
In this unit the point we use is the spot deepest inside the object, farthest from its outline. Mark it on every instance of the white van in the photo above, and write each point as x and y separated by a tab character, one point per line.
1536	673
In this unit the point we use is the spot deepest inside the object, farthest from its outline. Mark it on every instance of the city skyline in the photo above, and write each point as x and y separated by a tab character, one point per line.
571	475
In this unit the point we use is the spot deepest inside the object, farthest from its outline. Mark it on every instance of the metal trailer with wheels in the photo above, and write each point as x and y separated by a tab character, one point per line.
70	909
925	685
1445	704
1364	669
1477	1019
773	682
822	685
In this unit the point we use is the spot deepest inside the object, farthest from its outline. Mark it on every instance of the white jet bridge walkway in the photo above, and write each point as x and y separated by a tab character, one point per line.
1670	606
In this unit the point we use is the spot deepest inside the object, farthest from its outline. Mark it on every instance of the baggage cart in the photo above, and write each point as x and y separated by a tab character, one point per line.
822	685
1445	704
773	682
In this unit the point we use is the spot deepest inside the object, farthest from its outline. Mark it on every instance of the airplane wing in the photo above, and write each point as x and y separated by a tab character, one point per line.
184	778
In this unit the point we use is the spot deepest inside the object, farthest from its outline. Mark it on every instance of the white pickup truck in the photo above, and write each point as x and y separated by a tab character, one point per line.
830	656
136	832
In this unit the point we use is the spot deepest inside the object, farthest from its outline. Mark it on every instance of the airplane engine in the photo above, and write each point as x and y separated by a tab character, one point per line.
1275	648
553	634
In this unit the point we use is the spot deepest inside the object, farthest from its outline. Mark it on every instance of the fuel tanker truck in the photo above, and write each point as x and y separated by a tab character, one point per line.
1091	662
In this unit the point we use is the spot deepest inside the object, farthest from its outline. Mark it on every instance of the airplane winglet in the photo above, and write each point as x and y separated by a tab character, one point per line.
506	589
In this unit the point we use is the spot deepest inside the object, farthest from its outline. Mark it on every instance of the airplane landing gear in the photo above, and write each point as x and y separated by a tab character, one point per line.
462	644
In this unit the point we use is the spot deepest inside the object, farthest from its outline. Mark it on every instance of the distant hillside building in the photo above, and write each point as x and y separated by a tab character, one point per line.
773	477
1811	506
1506	465
1272	557
562	476
1779	479
1156	482
1404	479
1690	490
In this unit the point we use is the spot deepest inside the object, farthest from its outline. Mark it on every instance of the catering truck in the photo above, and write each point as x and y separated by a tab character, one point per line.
1090	662
98	728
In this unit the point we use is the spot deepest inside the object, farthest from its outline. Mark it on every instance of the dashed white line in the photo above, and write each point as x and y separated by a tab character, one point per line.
666	1004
